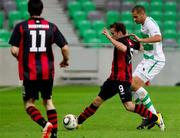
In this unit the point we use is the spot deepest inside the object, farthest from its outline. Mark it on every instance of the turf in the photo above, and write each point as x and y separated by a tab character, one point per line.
110	121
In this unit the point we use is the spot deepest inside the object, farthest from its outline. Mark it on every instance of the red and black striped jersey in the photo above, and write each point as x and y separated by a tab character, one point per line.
121	65
34	38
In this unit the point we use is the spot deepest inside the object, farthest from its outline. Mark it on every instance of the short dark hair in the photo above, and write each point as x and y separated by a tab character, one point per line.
35	7
139	8
119	27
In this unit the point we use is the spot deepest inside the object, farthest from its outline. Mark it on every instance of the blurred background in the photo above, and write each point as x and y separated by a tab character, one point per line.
81	22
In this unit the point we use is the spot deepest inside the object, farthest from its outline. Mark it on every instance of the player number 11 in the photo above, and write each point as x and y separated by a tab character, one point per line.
34	47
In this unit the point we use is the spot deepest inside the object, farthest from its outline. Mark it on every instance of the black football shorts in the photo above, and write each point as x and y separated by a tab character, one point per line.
112	87
32	88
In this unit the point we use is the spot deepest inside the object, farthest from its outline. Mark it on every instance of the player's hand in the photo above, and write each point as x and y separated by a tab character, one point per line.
64	64
136	37
106	33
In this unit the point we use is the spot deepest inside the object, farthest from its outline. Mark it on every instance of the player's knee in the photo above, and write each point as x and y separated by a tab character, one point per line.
98	101
48	104
128	106
136	84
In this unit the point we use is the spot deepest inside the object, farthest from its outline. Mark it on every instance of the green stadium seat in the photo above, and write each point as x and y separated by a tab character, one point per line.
145	4
79	16
1	19
126	16
156	15
25	15
94	43
129	26
89	34
103	38
169	34
23	6
88	6
83	26
4	35
13	17
170	6
98	25
156	6
170	16
169	25
73	6
111	17
82	1
160	1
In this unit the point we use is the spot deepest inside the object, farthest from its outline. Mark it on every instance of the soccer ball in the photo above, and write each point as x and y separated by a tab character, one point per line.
70	121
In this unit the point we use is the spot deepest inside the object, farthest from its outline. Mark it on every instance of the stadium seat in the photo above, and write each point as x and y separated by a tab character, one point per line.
78	16
145	4
83	26
95	15
98	25
160	1
4	35
170	16
126	16
129	26
113	5
169	25
25	15
13	17
22	6
73	6
1	19
88	6
8	7
169	34
111	17
156	6
81	1
156	15
94	43
170	6
89	34
127	6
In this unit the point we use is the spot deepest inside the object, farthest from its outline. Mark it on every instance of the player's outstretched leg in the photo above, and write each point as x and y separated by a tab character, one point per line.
88	112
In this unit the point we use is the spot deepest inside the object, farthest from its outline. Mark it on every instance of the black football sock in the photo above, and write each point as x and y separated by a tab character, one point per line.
36	116
52	118
89	111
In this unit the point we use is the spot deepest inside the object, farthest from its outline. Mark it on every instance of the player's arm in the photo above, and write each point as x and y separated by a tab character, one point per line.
65	54
120	46
15	51
153	39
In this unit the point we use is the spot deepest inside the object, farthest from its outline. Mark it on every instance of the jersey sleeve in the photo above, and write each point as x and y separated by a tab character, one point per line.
16	36
59	39
136	44
153	28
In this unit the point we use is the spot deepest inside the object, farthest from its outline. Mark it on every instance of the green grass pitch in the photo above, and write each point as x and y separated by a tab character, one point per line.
110	121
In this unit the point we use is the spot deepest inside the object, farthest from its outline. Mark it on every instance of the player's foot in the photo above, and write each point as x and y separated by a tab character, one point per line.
160	122
151	122
47	130
143	124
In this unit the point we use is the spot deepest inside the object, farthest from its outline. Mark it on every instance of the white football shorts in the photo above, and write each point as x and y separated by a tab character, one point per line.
148	69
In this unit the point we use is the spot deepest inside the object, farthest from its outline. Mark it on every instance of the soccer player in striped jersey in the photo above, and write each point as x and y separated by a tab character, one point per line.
120	78
32	42
152	63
